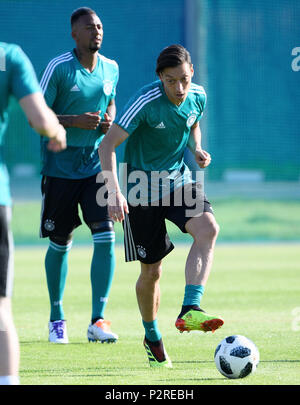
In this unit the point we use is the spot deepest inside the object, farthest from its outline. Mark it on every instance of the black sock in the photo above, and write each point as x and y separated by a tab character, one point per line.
95	320
186	308
156	343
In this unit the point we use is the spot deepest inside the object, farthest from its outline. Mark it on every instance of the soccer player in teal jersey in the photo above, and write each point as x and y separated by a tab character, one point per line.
18	79
159	122
80	86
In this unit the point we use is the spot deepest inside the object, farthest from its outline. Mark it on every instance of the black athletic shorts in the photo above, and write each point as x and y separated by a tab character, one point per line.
61	201
6	253
145	234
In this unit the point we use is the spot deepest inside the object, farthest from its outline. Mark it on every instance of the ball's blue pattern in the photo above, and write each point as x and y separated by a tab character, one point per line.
217	349
240	351
230	339
225	366
246	370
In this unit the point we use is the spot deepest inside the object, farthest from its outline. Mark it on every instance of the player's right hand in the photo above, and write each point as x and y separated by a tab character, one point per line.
58	142
202	158
117	206
89	120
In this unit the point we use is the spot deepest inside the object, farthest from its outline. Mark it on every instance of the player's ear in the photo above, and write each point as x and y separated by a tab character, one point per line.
160	76
73	34
192	70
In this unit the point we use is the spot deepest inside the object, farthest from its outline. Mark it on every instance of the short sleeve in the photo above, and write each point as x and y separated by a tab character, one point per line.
48	83
201	103
24	80
132	116
116	79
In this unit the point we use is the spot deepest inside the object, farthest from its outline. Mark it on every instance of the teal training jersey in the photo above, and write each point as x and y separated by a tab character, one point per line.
70	89
18	79
159	131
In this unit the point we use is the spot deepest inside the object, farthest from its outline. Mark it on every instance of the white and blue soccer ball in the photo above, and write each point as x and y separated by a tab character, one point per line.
236	356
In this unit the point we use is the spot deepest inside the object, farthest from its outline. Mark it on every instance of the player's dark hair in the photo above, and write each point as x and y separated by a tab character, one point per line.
79	12
172	56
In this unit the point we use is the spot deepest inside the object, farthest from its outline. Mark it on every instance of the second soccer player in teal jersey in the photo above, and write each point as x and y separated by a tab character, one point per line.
80	87
159	122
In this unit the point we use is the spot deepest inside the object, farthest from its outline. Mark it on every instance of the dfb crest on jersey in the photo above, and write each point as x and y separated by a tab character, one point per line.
191	120
107	87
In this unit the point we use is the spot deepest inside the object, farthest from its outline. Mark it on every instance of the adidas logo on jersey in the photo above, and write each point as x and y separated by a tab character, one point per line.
161	125
75	88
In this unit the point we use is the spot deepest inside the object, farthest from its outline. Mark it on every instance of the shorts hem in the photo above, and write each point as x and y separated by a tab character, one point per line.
155	260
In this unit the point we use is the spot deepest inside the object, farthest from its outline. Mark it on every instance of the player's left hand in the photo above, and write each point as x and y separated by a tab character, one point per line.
106	123
202	158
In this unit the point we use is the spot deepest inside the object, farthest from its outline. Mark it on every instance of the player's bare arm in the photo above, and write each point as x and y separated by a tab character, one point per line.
117	203
88	120
202	157
109	117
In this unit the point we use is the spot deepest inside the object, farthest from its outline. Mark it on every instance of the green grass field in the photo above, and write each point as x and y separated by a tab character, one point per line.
241	220
254	288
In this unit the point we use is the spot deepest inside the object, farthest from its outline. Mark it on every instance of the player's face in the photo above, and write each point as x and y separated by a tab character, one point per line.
88	33
177	82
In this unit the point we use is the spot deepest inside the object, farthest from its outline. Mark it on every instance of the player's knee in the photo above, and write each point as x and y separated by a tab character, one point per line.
101	226
5	310
211	230
152	272
208	231
214	229
61	240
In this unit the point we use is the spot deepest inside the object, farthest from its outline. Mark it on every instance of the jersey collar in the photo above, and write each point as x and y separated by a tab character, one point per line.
82	67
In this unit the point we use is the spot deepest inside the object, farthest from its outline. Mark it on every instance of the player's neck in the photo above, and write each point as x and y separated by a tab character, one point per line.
87	59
